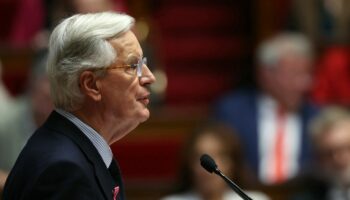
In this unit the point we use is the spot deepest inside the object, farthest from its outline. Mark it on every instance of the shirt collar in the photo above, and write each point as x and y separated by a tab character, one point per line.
96	139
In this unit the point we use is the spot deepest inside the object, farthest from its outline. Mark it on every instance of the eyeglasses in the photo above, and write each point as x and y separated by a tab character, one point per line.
132	69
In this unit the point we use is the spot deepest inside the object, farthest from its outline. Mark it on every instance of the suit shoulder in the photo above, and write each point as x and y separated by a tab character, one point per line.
47	146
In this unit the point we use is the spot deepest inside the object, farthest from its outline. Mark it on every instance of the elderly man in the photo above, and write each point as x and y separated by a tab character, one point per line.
98	81
330	178
272	121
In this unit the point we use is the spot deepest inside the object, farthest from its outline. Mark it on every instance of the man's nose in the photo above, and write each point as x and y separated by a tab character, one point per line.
147	76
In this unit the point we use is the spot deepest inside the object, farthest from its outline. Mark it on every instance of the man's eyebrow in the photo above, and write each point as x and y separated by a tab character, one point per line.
133	58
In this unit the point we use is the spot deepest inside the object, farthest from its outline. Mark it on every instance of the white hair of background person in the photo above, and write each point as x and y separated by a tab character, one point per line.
327	119
270	51
78	43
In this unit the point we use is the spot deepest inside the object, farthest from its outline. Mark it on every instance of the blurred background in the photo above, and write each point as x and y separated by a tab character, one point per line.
198	50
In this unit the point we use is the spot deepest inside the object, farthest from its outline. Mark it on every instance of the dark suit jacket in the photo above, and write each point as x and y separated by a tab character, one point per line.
60	162
240	111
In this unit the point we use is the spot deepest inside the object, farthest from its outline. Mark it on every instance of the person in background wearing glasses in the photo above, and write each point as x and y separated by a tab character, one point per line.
99	86
329	179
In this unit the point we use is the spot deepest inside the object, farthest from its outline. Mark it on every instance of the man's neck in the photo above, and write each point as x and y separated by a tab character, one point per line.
93	119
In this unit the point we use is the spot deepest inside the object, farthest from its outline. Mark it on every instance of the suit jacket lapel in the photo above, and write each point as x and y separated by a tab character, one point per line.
67	128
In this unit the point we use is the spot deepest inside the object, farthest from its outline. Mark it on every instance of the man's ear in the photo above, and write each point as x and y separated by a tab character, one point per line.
88	85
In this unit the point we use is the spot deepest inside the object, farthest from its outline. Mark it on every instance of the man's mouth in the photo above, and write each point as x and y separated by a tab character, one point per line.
144	100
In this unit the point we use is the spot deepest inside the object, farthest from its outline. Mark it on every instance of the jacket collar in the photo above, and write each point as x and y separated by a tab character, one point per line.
62	125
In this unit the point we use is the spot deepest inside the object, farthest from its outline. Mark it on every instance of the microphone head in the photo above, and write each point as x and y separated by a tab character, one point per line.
208	163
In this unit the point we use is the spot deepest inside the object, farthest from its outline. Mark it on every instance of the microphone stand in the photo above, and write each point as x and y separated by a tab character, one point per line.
232	185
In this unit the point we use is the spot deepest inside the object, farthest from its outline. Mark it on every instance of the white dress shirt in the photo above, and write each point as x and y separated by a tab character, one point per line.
267	135
97	140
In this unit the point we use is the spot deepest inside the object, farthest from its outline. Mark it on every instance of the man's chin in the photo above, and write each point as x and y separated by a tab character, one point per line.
145	114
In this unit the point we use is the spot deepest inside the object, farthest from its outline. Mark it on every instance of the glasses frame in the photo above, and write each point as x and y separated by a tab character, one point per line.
138	66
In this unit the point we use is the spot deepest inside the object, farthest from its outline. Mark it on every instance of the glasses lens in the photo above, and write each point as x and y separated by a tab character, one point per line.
140	64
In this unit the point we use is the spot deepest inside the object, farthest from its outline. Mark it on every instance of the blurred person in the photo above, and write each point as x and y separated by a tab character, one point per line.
98	82
5	107
272	121
221	143
5	97
330	178
25	113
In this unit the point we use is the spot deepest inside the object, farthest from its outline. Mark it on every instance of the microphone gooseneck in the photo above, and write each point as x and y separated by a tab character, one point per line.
209	164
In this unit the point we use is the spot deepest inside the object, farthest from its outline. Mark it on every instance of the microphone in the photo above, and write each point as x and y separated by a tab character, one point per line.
209	164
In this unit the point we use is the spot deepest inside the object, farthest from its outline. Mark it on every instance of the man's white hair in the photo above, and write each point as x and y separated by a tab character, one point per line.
78	43
272	50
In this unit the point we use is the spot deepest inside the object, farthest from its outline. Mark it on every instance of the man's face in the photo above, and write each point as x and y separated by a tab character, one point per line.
124	96
334	152
289	80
